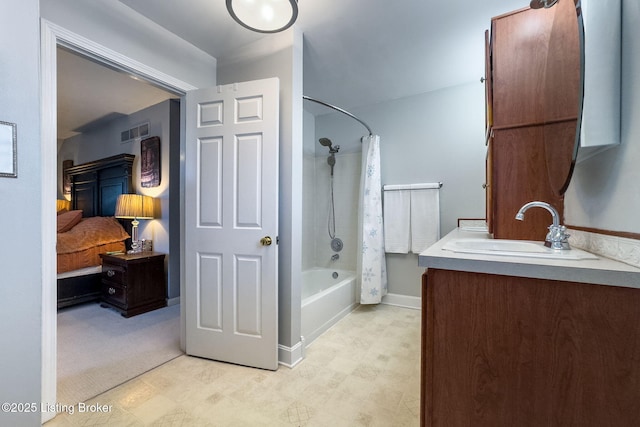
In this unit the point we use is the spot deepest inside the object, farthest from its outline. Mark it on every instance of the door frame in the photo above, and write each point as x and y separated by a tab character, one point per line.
52	36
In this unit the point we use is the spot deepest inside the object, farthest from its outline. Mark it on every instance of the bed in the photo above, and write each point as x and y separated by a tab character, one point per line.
89	228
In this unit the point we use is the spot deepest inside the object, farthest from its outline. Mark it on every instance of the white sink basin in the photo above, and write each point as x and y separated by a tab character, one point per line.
514	248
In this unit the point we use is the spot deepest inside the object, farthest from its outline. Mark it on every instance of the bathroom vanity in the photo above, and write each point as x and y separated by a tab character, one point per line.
527	340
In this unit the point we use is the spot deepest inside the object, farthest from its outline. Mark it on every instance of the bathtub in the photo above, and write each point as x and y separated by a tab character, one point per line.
325	300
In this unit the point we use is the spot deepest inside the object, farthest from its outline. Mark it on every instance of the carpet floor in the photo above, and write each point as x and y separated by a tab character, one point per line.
98	349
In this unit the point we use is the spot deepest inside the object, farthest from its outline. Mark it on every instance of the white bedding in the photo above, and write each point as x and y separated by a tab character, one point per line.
81	272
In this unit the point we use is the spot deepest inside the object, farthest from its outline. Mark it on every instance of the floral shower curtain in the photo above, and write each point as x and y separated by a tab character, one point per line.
372	267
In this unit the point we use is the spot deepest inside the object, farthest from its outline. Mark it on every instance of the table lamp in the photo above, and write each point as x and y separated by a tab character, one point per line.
135	207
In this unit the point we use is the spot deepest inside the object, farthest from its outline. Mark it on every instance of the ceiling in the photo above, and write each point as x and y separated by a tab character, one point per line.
90	94
356	52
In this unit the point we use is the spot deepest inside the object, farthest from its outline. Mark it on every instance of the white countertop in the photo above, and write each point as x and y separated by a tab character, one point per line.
601	271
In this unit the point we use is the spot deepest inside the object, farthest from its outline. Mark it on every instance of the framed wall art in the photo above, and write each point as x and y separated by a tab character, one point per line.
66	178
8	150
150	162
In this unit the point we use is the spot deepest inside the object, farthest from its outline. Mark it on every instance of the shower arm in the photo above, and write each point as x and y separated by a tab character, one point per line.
308	98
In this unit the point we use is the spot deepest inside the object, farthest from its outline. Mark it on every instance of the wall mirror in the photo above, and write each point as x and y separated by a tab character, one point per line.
581	85
8	150
562	94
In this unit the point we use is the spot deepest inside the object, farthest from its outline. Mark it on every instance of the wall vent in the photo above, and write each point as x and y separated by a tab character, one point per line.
137	132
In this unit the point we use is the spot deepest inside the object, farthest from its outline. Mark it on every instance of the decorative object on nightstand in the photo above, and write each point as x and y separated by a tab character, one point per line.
133	283
135	207
147	245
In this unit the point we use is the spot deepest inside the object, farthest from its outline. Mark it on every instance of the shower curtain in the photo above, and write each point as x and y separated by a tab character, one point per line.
371	268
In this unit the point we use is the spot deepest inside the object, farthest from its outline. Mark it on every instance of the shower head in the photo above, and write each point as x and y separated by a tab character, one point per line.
325	141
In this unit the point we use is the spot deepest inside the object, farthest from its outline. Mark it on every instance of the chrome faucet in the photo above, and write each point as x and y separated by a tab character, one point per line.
557	238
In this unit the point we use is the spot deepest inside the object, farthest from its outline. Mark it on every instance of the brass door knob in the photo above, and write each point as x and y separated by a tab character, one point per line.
266	241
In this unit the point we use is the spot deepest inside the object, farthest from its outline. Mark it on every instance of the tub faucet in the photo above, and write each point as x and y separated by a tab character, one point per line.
557	238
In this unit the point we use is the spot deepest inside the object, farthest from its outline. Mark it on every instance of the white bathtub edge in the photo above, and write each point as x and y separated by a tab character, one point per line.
311	337
402	301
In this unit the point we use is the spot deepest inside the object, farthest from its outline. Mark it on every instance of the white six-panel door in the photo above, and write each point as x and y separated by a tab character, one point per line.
231	212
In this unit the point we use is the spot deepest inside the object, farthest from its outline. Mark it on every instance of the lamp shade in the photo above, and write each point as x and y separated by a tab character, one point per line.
264	16
134	206
63	205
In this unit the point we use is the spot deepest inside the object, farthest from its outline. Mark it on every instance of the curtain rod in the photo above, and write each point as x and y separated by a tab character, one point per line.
308	98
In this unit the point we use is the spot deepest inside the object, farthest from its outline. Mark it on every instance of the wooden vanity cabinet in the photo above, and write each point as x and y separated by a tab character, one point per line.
521	102
512	351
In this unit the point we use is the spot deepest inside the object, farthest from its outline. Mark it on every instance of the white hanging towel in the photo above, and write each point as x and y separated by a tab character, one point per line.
397	220
425	217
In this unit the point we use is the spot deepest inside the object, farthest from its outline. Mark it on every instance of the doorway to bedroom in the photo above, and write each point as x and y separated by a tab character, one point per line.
97	348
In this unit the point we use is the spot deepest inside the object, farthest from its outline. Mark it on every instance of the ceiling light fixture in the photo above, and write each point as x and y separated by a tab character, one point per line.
539	4
264	16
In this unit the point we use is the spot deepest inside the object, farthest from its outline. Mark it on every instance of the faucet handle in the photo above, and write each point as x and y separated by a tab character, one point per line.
557	238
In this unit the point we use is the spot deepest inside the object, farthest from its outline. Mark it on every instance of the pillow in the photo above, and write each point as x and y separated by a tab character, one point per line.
67	220
91	232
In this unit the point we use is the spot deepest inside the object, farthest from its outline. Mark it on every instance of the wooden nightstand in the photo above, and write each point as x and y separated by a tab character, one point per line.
133	283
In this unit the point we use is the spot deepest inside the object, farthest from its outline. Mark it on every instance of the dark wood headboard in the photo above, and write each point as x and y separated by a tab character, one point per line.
95	186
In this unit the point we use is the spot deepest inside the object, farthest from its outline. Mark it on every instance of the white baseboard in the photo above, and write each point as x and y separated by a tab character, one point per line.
402	301
291	356
173	301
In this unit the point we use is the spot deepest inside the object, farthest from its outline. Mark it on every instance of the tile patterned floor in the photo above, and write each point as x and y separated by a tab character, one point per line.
362	372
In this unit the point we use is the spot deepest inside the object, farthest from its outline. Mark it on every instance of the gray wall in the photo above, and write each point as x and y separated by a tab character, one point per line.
117	27
431	137
605	189
20	218
105	141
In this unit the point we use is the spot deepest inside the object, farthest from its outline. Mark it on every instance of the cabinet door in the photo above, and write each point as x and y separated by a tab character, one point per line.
519	176
530	83
519	53
510	351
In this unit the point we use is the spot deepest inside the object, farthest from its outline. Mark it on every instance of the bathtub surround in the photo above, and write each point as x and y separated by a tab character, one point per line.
316	244
326	299
372	266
